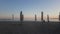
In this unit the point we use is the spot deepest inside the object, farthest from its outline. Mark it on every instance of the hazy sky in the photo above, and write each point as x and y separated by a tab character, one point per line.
29	8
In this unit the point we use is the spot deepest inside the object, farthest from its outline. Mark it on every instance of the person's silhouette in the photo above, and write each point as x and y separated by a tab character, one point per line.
35	17
59	16
47	18
21	17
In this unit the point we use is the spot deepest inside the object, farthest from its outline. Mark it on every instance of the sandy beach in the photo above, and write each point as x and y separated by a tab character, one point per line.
29	27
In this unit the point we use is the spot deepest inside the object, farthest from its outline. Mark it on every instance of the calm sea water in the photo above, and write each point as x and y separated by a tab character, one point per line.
32	20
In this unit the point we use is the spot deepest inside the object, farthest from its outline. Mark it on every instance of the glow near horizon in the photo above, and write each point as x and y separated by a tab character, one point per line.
29	8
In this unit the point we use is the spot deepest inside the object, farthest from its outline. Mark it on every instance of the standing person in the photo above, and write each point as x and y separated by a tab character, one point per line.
12	17
59	16
42	16
47	18
21	17
35	17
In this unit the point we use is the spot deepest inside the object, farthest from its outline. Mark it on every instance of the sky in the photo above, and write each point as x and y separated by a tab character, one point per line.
29	8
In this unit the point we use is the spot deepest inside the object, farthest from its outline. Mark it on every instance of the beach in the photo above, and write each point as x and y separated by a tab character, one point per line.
29	27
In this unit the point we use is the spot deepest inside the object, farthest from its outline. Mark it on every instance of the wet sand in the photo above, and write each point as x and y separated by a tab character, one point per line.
29	27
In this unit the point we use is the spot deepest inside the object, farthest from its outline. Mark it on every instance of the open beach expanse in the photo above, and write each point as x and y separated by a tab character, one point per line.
29	27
